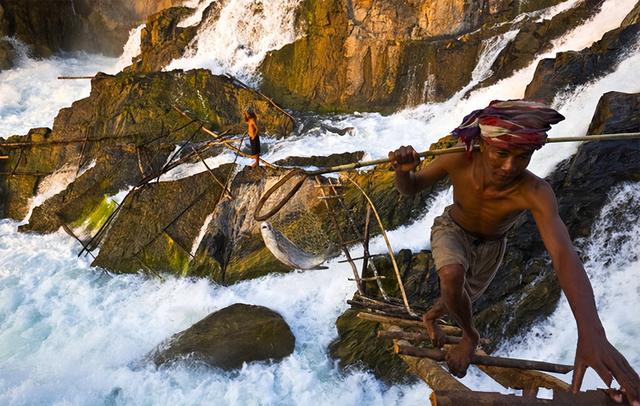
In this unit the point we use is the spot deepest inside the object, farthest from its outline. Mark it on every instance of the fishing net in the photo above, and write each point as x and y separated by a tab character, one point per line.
305	229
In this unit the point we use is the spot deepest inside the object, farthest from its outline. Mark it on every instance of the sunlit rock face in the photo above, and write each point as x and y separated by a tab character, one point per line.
365	55
59	25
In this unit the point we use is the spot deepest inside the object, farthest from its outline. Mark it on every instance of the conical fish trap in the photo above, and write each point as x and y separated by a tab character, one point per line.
304	228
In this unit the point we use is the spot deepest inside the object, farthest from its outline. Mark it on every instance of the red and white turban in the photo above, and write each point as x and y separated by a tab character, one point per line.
509	124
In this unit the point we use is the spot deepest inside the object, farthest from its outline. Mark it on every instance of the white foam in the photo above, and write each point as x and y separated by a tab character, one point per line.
238	41
72	334
131	49
31	95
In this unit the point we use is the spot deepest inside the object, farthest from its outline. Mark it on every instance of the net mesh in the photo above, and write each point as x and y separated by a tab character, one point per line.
304	228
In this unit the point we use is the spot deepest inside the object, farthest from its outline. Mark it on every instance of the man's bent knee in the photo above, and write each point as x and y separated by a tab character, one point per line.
451	275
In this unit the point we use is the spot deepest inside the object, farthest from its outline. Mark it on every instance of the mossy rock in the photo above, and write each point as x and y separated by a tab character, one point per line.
358	346
229	338
132	117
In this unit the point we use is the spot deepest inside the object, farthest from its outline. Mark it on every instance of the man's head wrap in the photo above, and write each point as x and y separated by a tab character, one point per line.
509	124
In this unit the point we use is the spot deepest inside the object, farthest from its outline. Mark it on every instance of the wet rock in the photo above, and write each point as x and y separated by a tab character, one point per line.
161	40
322	161
380	56
230	337
359	347
7	54
166	217
534	38
633	17
571	69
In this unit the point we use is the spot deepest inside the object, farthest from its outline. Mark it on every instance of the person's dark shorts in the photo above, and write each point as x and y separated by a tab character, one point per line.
451	244
255	145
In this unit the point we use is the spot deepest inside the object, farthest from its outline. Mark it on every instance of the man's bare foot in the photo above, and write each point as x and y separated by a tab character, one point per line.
436	335
460	356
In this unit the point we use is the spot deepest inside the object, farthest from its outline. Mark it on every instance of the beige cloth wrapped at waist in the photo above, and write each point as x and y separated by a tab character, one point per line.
451	244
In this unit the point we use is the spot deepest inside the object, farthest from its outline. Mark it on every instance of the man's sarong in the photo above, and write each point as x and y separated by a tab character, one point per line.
451	244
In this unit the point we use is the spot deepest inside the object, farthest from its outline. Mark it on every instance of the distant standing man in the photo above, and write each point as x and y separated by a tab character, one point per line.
252	128
491	188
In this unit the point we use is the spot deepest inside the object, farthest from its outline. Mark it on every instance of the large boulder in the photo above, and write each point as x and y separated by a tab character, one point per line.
60	25
230	337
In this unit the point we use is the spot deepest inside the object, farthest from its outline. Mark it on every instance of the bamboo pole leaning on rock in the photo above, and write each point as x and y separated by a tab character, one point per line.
414	336
74	77
439	355
428	370
527	380
449	330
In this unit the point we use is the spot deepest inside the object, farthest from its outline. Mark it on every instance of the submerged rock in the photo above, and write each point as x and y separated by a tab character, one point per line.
230	337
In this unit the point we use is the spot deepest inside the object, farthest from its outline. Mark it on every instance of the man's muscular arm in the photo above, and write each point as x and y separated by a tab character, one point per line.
405	160
593	349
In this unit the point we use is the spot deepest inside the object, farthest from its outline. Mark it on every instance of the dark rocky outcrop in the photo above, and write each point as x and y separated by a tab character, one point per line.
322	161
100	26
534	37
8	54
525	289
571	69
161	40
230	337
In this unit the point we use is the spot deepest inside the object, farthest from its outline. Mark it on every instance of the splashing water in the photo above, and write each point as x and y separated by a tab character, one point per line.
72	334
31	93
131	48
240	38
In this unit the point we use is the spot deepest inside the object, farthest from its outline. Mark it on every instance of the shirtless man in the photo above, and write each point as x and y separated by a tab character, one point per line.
491	188
252	129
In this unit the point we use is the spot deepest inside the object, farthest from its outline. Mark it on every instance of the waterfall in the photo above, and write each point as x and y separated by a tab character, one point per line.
239	38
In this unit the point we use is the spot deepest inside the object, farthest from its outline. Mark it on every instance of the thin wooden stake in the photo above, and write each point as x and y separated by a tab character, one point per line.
386	240
449	330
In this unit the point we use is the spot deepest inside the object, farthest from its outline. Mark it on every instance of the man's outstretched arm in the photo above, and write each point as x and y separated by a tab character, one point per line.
593	349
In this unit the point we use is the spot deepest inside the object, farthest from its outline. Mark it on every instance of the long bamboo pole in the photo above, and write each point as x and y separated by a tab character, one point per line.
454	150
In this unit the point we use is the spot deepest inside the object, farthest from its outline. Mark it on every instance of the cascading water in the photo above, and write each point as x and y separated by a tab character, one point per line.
26	91
238	40
74	335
